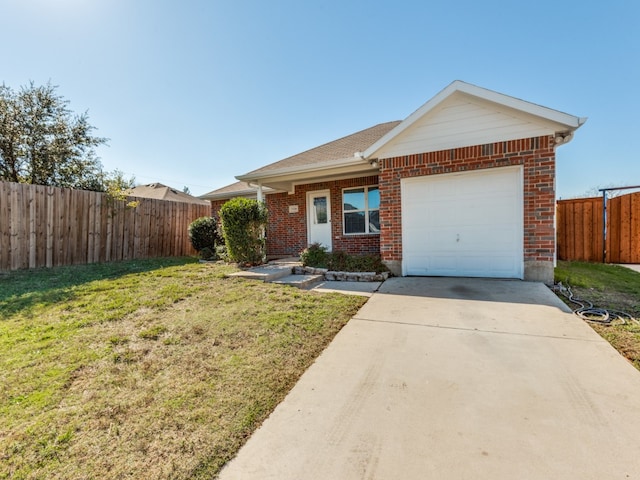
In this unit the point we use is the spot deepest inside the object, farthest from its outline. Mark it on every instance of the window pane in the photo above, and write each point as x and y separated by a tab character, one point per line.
354	222
320	209
354	199
374	221
374	198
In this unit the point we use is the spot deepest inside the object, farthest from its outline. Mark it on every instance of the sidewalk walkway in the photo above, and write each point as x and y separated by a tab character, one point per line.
632	266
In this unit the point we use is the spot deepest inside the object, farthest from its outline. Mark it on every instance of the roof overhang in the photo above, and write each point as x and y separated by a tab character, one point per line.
286	179
245	193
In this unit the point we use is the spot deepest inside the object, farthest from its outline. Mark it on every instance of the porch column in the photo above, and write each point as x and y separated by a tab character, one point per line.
259	194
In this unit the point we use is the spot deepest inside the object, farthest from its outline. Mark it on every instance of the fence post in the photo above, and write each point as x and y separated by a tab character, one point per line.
604	226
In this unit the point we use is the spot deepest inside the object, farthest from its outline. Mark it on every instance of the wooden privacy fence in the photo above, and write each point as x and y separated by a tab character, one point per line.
580	233
47	226
623	229
579	229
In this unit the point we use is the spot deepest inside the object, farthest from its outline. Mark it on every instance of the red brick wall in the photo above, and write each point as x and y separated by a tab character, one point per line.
287	232
537	155
215	207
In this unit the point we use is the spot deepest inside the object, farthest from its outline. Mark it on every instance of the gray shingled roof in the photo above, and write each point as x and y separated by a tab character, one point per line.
162	192
342	148
237	187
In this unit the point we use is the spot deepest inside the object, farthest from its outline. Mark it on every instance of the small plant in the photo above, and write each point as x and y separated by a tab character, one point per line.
221	252
204	234
315	255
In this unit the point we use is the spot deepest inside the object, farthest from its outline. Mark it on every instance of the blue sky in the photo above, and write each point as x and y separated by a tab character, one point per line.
192	93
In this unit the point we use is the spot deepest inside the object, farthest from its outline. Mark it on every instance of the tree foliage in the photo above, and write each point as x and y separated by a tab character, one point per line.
243	224
42	142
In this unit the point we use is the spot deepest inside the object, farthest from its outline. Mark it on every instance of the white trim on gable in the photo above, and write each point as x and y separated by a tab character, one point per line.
508	112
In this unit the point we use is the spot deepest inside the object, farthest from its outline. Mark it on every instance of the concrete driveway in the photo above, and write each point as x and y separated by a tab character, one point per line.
445	378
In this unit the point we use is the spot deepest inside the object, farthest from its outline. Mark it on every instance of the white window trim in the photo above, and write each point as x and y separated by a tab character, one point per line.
366	210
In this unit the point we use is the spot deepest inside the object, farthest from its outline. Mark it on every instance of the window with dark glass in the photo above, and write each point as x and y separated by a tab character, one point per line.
360	209
320	209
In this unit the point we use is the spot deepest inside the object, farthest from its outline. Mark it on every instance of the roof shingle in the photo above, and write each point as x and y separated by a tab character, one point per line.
344	147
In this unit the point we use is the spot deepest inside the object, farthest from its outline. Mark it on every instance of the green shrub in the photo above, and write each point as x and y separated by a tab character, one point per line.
207	254
343	262
339	261
204	234
243	225
221	252
315	255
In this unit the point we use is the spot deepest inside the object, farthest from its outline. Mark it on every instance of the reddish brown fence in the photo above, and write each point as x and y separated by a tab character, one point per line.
623	229
580	229
47	226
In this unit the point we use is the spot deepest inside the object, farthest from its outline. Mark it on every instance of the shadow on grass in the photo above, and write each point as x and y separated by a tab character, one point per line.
21	291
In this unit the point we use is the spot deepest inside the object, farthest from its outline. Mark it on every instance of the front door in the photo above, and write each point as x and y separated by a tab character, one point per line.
319	218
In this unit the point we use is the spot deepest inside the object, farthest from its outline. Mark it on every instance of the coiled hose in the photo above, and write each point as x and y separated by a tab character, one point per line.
590	313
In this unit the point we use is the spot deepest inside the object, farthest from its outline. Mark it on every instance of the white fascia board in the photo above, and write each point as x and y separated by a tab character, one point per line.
304	169
288	182
571	122
407	122
249	192
222	196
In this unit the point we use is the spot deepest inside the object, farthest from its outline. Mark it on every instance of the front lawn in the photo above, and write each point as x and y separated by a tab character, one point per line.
147	369
612	287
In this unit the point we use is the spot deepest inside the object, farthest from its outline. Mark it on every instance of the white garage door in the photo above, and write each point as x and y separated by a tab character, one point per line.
464	224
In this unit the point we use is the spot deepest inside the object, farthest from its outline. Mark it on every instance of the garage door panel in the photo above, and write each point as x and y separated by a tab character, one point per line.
462	239
473	265
464	210
468	224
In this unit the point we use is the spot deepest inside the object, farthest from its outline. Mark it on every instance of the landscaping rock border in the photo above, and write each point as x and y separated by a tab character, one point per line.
342	276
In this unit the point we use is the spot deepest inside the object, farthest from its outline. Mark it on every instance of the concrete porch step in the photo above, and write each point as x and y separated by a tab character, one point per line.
266	273
300	281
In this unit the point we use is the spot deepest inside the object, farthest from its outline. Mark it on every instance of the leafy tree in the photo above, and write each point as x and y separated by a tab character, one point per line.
115	184
116	181
42	142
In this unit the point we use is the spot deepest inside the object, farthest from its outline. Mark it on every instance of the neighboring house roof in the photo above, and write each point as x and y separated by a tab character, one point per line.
163	192
460	115
238	189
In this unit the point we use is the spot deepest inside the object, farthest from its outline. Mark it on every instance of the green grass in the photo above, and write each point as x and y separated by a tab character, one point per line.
147	369
612	287
599	276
